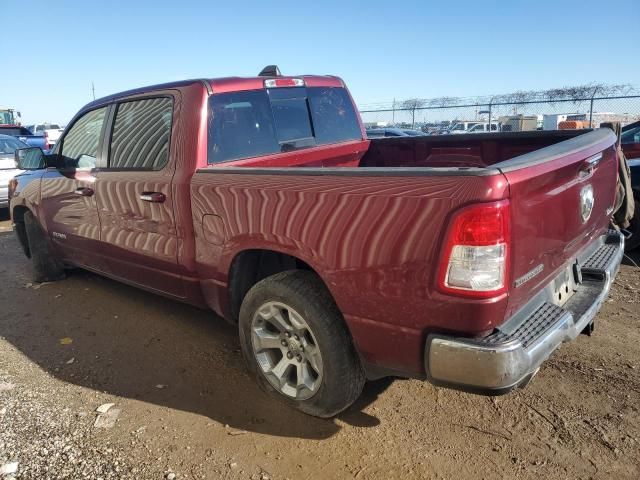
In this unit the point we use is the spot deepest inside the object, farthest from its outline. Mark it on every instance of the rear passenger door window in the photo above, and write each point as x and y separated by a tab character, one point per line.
80	144
141	134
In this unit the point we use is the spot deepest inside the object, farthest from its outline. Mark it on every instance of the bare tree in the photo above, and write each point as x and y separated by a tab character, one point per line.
576	94
443	102
571	93
413	104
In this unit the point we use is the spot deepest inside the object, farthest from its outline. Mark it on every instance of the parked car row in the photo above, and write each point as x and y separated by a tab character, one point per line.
393	132
8	169
340	258
508	123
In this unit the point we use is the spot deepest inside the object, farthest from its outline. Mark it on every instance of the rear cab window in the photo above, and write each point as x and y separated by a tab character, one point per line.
252	123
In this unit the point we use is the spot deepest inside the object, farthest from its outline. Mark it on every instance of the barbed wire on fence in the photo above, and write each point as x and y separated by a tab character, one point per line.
595	102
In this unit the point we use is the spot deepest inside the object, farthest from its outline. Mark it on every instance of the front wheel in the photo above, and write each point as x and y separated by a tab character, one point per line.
296	344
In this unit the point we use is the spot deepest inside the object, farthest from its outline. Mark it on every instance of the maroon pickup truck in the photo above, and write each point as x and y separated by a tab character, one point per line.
465	260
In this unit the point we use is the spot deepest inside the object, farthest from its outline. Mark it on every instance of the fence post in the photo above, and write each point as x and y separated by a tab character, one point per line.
393	115
490	104
595	90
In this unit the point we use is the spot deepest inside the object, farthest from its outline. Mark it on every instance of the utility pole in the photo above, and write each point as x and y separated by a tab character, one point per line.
93	90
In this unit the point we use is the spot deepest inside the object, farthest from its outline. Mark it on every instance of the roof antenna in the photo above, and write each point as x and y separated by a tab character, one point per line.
270	71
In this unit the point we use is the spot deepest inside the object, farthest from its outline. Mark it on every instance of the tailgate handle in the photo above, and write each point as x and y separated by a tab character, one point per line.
589	165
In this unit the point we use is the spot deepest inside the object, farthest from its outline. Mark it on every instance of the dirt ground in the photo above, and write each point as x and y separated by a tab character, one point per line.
186	408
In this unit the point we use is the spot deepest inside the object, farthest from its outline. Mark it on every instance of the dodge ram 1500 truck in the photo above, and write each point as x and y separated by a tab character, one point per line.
465	260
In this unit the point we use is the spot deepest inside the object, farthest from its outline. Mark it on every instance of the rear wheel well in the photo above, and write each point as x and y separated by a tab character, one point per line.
17	216
251	266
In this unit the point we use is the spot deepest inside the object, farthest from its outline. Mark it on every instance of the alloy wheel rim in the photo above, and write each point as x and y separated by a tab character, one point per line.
286	350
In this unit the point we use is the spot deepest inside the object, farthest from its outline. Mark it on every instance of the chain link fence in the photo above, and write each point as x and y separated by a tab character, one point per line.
578	107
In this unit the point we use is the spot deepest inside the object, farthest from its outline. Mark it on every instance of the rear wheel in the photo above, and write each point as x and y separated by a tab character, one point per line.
296	344
634	242
46	266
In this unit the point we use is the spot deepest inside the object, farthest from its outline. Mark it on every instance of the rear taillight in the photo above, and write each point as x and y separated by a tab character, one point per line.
46	141
284	82
476	254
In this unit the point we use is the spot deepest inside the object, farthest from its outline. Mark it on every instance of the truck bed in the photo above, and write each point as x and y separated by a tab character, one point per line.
463	151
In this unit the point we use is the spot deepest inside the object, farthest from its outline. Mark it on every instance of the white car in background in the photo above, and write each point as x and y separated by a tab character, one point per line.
484	128
51	132
459	128
8	170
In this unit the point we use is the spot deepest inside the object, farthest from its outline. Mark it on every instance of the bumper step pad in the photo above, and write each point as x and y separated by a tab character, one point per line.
541	320
599	259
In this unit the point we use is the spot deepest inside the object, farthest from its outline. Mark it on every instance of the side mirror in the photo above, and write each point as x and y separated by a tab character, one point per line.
30	158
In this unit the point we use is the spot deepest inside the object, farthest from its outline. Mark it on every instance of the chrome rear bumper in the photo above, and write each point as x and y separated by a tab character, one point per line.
511	355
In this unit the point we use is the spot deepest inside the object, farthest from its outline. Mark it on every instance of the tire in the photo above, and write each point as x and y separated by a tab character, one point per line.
634	242
325	345
46	267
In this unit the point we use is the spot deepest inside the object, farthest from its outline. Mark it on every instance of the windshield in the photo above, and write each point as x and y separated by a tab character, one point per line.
47	126
632	135
375	133
15	131
6	118
9	145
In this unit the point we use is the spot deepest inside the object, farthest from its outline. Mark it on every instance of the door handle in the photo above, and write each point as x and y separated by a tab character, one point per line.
153	197
84	191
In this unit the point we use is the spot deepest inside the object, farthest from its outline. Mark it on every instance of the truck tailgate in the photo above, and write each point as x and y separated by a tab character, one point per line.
562	197
54	134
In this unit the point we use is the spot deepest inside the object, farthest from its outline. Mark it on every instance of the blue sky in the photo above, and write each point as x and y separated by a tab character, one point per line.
383	50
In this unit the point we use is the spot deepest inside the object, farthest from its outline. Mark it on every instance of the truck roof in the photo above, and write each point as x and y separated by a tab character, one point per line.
223	85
